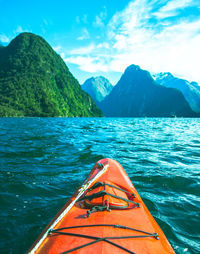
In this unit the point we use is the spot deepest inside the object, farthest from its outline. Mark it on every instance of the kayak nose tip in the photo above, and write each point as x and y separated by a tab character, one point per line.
100	165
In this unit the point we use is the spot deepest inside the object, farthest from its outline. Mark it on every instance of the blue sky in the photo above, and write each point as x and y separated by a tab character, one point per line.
103	37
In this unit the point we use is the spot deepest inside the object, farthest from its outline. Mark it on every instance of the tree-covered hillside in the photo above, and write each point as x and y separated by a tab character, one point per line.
34	81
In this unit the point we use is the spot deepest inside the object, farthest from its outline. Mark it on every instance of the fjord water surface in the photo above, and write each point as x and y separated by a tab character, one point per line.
44	160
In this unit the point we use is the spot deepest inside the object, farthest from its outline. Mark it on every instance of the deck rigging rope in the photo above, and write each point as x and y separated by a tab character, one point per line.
98	239
105	207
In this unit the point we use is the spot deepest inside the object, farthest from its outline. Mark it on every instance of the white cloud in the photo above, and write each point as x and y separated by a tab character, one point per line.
83	50
62	54
4	38
19	30
173	47
104	45
133	18
83	19
98	22
157	47
60	51
99	19
171	8
57	48
84	35
87	63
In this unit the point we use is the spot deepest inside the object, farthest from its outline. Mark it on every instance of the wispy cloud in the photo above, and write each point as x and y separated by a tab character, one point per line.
98	22
82	19
172	8
88	63
4	38
19	30
57	48
141	34
84	35
155	47
83	50
7	38
60	51
45	22
99	19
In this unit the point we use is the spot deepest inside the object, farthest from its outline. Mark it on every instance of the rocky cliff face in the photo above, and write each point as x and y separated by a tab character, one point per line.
138	95
97	87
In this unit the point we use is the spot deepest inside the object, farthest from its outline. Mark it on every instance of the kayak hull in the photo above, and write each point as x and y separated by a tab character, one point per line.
97	232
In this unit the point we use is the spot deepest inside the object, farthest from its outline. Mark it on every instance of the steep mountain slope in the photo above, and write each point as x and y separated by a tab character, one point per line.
34	81
97	87
191	91
137	94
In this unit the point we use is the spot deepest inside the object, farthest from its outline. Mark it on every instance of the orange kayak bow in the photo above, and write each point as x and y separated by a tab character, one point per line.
105	215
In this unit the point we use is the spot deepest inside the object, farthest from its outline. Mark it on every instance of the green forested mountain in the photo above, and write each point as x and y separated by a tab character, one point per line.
34	81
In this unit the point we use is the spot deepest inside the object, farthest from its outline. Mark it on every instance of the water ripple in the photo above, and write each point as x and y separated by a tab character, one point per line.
43	161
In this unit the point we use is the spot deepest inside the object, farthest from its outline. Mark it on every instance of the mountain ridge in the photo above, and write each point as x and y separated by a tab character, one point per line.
190	90
138	95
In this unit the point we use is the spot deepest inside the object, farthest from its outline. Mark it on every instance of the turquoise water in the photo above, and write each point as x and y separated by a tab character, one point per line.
43	161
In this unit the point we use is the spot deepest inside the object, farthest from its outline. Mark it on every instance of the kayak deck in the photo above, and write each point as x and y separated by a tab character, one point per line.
109	217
